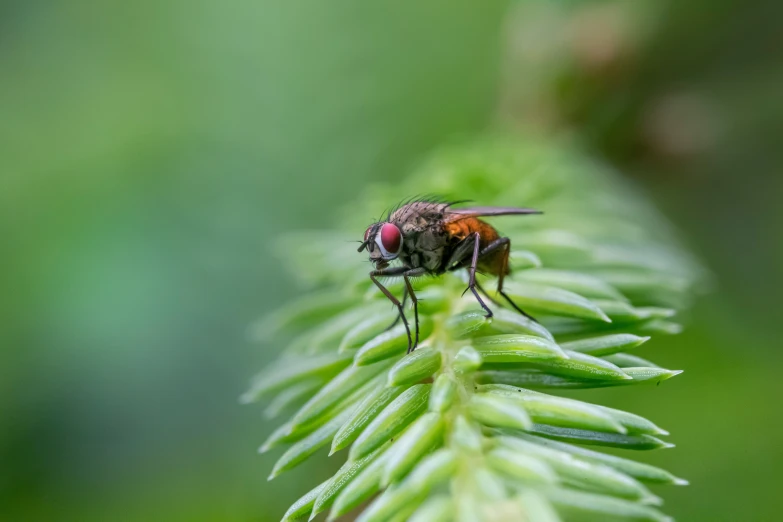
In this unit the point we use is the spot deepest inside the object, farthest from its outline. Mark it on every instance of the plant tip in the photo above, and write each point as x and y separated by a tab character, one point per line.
474	390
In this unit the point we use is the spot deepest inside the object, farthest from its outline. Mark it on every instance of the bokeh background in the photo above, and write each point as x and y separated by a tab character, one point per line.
151	151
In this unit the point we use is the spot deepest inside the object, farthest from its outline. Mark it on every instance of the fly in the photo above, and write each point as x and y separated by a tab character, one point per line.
432	238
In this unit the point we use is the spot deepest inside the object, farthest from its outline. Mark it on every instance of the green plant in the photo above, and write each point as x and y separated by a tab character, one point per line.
470	426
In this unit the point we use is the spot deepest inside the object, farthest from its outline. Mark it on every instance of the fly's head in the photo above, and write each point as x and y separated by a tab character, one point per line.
383	241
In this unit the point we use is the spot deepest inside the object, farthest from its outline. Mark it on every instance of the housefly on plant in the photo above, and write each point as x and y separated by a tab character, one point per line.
430	237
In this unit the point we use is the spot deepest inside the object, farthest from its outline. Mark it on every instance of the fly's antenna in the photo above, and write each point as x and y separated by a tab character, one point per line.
373	230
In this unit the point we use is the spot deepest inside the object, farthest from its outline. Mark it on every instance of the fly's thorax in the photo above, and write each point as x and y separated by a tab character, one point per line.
433	238
418	215
424	249
431	260
426	239
413	226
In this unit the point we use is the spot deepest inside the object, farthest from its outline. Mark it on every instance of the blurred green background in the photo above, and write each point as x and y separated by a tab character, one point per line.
151	151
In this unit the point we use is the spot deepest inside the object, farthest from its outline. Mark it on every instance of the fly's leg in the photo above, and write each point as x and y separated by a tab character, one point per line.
484	292
461	255
465	256
504	243
472	274
397	319
393	272
409	291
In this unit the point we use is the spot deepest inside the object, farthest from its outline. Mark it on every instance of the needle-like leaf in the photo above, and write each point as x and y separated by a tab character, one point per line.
589	507
517	349
287	373
363	414
606	344
338	388
584	366
300	451
468	360
388	344
412	446
436	509
579	283
443	392
392	420
475	324
301	508
543	380
637	470
639	442
362	487
550	300
416	366
557	411
347	473
499	412
582	474
521	466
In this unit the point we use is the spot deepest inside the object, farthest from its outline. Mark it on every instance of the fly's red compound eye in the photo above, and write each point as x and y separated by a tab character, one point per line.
389	240
367	233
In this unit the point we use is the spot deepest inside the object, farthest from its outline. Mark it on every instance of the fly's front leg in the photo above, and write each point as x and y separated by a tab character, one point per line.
409	291
504	243
393	272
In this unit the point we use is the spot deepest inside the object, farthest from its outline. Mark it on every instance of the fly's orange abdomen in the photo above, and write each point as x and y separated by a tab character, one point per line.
462	228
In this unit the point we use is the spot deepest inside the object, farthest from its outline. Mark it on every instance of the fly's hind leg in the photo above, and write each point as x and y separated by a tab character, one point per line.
504	243
486	294
462	258
472	274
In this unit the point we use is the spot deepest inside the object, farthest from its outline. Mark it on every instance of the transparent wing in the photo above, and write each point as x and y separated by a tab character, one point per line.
455	214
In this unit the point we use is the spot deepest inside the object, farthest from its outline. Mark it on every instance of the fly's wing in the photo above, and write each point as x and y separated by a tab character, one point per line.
455	214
